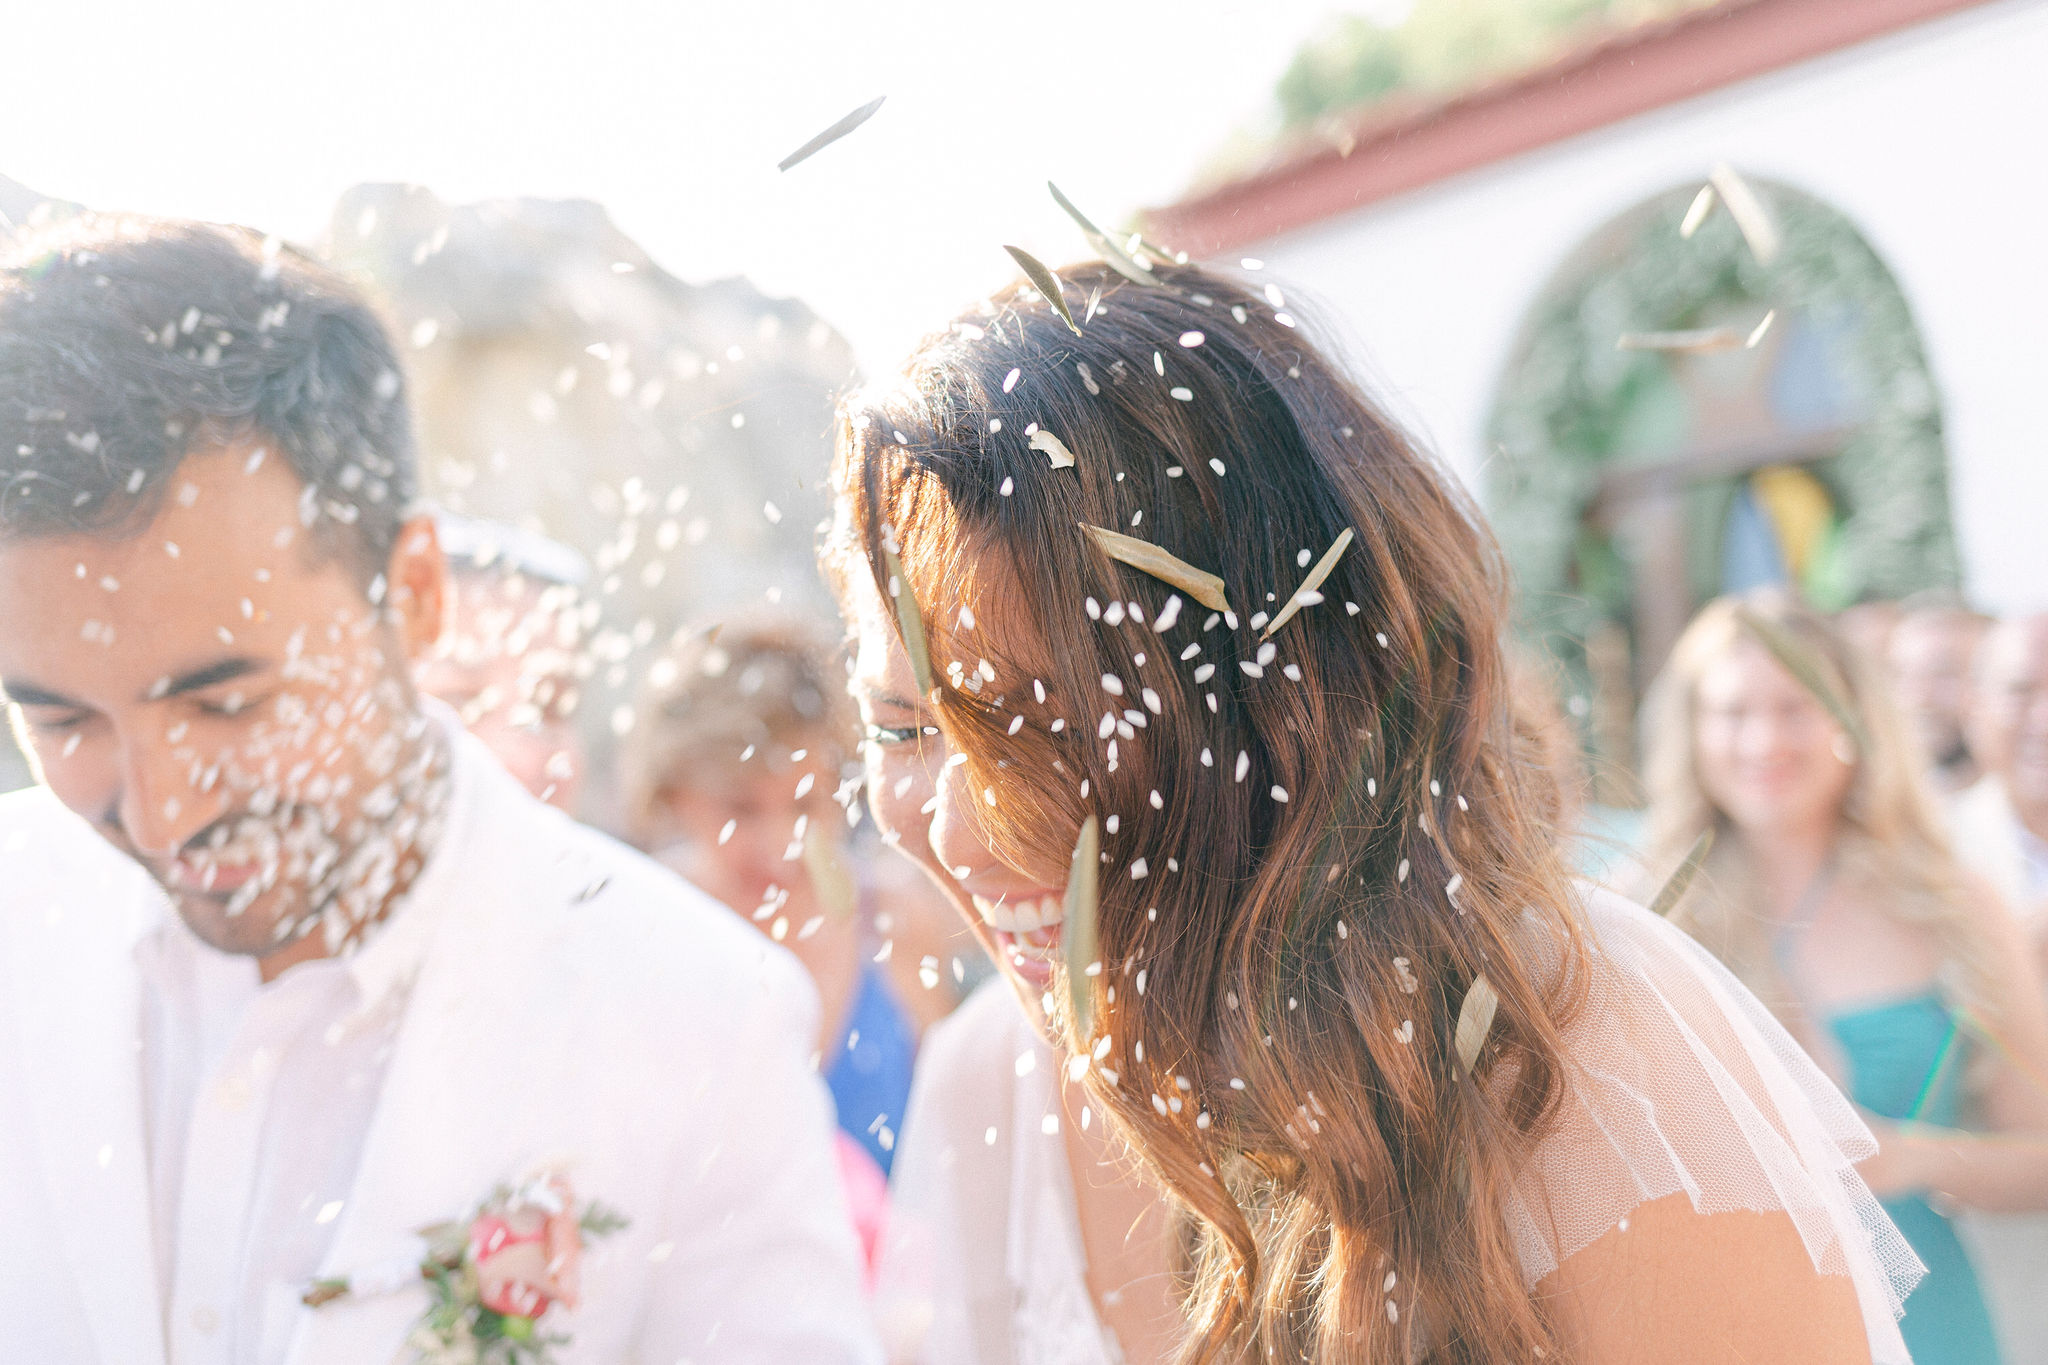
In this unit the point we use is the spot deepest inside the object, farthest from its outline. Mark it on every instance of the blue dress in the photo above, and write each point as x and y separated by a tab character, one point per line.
869	1074
1906	1060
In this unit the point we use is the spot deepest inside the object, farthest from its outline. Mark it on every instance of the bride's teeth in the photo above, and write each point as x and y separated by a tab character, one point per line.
1021	917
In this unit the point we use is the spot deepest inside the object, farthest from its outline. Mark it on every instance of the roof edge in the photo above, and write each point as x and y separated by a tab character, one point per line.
1389	151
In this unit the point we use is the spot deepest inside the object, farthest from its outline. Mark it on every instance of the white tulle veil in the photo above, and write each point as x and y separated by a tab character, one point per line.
1679	1082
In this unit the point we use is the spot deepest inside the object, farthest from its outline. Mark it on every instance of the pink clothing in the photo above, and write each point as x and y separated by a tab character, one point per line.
867	1199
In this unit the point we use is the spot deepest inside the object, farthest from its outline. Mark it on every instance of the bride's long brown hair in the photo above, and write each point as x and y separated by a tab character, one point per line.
1313	845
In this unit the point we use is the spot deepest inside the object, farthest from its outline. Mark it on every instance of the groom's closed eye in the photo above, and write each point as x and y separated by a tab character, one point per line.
42	709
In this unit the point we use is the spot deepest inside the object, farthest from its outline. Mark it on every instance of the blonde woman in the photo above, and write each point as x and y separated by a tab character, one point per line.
1831	892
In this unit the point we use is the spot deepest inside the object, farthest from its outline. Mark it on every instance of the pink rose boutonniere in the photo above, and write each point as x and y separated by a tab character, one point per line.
492	1278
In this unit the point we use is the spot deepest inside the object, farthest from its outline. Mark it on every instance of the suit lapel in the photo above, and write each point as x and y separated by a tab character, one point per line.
420	1165
481	1026
71	974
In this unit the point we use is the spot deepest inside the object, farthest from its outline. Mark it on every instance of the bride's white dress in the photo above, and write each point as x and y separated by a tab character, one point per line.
1685	1083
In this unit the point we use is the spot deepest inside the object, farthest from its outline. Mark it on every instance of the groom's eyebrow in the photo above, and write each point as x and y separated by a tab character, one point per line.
203	677
28	694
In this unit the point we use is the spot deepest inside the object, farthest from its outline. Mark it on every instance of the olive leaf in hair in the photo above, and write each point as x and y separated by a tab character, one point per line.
1160	253
1306	595
909	621
832	134
1115	256
1055	449
1475	1021
1673	891
1146	557
1046	283
1078	935
1800	660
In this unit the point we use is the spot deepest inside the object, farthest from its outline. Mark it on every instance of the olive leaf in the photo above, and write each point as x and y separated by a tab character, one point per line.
1055	449
909	621
1308	585
1800	660
1119	260
1160	253
1146	557
1759	228
1046	283
831	879
1673	890
1696	213
832	134
1475	1021
1692	341
1078	928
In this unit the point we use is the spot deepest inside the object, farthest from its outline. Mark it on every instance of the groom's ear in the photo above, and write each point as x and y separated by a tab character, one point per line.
417	591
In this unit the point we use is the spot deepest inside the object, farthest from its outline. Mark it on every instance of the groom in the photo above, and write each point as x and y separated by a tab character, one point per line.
289	969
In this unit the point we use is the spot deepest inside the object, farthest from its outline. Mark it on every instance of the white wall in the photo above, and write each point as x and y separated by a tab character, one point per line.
1934	141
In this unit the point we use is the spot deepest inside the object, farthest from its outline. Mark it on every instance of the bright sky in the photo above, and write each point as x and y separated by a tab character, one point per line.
672	113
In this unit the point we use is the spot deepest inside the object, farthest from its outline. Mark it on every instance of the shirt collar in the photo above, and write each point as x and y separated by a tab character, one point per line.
390	955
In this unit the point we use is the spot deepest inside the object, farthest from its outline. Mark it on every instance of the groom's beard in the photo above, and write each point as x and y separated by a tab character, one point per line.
273	872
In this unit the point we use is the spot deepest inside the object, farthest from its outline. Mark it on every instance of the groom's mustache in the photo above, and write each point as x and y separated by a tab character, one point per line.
273	842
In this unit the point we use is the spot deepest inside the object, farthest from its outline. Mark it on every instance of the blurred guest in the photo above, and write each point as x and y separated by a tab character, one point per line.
507	660
1601	838
736	779
1868	626
1831	891
2001	823
1929	658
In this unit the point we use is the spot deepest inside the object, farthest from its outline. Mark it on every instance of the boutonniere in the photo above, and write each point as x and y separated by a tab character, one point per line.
492	1277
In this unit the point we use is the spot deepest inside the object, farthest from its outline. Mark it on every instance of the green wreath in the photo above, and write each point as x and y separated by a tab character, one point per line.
1568	402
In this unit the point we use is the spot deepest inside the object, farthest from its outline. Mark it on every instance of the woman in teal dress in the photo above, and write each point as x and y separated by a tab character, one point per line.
1831	891
1905	1059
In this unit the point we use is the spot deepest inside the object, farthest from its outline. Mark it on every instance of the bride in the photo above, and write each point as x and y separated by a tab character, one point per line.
1391	1085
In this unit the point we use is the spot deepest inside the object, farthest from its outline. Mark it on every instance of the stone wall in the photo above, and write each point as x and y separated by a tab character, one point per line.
676	434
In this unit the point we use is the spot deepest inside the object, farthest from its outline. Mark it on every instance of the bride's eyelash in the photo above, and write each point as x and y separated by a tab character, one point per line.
898	734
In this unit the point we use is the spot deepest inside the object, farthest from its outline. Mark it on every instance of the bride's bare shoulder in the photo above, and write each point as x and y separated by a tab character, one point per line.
1670	1283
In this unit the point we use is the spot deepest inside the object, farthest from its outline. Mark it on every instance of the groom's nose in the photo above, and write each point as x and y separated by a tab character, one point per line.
159	806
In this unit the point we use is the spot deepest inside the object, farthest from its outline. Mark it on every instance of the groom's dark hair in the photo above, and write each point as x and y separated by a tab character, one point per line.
127	344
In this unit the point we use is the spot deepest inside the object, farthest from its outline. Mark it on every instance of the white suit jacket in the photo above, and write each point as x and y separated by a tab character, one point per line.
576	1006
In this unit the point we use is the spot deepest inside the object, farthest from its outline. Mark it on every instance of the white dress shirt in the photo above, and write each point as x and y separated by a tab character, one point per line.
257	1101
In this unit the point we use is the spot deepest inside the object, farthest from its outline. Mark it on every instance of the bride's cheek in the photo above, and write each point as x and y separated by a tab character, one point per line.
956	831
899	792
